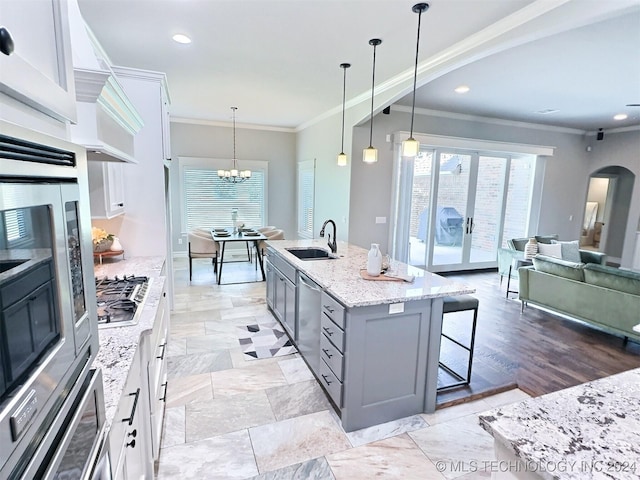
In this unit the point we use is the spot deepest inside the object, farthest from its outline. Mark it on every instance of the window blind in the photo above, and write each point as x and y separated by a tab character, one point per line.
15	225
209	200
306	185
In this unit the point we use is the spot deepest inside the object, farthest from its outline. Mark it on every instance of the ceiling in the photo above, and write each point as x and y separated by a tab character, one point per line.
278	60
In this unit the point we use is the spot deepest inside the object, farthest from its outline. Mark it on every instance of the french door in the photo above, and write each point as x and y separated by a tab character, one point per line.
451	208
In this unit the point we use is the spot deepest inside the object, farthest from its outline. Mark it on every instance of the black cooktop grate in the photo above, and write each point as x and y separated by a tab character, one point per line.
118	298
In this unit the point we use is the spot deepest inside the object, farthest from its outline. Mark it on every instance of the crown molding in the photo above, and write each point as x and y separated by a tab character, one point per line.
218	123
630	128
490	120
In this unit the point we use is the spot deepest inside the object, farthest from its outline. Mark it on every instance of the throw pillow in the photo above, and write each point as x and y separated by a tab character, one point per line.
570	250
550	249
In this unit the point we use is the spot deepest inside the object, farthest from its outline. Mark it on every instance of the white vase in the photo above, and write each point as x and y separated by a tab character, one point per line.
531	248
116	246
374	260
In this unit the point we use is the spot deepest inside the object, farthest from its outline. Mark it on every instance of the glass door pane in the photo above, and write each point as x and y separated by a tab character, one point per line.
518	201
451	208
487	209
419	211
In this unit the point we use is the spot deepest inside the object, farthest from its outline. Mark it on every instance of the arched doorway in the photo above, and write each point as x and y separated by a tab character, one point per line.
606	211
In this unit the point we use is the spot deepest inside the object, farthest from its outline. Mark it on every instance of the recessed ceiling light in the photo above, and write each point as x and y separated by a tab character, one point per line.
181	38
620	116
547	111
462	89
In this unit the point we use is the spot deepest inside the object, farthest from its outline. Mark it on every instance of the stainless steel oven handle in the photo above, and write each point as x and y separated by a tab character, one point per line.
133	409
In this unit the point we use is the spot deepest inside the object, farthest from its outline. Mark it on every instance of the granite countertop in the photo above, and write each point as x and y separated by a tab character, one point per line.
587	431
341	276
118	345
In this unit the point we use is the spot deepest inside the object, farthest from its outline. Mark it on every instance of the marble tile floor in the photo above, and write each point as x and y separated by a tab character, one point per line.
228	417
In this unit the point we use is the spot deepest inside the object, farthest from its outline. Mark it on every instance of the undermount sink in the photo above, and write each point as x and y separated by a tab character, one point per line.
311	253
6	265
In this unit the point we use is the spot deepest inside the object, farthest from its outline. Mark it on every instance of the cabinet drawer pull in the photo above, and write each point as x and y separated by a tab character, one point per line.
133	410
132	443
120	204
133	434
326	352
163	346
328	331
164	395
324	377
329	309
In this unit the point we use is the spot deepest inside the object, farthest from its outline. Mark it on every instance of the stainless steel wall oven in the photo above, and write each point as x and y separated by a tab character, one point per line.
48	321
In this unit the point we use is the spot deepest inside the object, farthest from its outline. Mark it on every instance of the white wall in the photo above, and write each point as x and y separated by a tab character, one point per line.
322	143
142	228
208	141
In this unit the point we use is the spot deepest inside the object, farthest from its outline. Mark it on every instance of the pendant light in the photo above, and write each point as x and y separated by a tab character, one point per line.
370	154
234	175
342	157
411	146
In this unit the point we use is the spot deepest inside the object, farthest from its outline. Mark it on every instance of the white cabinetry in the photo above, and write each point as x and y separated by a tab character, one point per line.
136	430
128	437
156	366
166	130
106	189
39	72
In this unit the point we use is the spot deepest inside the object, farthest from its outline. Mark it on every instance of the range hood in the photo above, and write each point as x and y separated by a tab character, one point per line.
107	122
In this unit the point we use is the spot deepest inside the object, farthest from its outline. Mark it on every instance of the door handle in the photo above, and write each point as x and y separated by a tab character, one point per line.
471	225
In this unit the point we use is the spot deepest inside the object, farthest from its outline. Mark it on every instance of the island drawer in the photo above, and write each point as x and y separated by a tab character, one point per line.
332	385
333	332
331	355
333	309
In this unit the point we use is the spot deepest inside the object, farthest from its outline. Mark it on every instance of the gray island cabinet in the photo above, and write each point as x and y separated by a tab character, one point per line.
373	345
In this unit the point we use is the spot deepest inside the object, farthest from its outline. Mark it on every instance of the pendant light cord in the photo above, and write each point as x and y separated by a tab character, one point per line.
373	84
415	74
234	137
344	96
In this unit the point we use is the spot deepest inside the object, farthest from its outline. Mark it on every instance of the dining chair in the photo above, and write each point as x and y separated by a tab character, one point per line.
202	245
277	234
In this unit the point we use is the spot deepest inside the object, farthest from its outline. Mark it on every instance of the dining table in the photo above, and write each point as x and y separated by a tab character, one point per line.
226	235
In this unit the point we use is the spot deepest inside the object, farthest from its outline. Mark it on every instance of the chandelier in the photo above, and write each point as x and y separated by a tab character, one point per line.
234	175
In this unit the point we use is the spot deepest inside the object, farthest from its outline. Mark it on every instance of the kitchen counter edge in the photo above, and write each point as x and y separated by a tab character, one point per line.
586	431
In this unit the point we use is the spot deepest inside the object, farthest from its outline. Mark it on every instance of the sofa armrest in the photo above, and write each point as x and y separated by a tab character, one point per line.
588	256
523	290
506	259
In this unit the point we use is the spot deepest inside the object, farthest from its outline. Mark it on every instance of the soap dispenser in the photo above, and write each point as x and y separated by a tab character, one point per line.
374	261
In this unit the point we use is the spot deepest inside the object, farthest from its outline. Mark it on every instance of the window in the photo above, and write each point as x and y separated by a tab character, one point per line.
208	201
306	185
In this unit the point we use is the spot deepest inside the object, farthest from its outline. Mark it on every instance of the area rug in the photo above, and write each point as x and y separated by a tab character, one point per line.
264	341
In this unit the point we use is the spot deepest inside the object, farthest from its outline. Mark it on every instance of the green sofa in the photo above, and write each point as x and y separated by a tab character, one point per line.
606	297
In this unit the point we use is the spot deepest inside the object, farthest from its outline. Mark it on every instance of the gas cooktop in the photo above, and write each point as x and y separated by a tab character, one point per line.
119	298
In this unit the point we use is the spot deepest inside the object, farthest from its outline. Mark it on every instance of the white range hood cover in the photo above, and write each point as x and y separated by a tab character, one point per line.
107	120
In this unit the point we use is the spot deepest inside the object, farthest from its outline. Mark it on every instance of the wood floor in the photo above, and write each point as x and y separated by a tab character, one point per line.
536	351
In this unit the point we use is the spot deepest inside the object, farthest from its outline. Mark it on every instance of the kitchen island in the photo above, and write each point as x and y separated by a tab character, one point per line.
373	345
590	431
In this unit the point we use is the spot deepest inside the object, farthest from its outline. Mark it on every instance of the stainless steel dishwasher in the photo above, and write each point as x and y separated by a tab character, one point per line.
309	317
